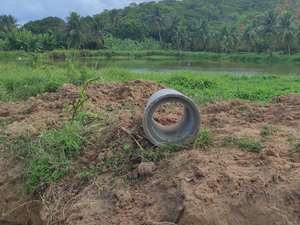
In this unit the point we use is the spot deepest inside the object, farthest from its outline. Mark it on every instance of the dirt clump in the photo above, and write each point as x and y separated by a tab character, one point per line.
224	183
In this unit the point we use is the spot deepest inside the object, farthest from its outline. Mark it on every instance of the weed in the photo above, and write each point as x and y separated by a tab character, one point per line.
204	139
171	148
48	156
247	143
268	130
87	174
78	103
4	122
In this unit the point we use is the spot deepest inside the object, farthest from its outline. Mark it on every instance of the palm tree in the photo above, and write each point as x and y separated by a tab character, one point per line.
224	39
249	37
96	33
7	23
234	38
156	23
286	35
76	29
268	23
203	36
181	38
24	40
267	26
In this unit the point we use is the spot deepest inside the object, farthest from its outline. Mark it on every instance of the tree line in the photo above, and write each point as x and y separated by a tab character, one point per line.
212	26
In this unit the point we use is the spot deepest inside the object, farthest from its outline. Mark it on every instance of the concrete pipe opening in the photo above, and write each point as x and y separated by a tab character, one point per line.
171	131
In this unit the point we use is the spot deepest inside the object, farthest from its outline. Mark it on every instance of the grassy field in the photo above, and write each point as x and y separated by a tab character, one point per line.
19	81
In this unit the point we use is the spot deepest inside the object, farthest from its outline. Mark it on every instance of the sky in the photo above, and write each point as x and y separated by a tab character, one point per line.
26	10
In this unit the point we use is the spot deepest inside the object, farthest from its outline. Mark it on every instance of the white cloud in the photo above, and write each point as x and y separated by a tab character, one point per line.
25	10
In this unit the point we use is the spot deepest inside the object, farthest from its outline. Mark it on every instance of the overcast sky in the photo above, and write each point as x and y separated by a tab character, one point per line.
26	10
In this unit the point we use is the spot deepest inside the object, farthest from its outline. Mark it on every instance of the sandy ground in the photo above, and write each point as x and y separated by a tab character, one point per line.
221	185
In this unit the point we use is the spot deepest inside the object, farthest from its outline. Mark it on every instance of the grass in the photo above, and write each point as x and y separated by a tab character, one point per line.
268	130
48	156
204	139
247	143
20	81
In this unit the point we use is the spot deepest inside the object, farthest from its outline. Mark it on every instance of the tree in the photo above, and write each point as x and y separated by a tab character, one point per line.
131	29
224	39
75	31
286	31
181	39
202	37
46	25
267	27
114	17
249	37
157	23
7	23
24	40
95	34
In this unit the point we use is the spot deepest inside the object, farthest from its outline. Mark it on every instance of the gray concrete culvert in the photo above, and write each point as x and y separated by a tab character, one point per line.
180	133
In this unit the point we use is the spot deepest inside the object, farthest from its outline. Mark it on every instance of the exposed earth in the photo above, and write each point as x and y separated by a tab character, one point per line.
223	184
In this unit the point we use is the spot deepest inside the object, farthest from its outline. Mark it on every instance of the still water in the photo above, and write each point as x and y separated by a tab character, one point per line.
167	65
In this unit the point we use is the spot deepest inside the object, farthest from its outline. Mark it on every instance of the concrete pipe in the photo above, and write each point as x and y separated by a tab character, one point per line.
180	133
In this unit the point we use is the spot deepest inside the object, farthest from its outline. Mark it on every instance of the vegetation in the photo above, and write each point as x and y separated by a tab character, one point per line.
208	26
268	130
48	156
247	143
204	140
203	87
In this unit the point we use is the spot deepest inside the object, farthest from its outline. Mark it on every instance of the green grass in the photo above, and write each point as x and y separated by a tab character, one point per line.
48	156
268	130
19	81
247	143
204	140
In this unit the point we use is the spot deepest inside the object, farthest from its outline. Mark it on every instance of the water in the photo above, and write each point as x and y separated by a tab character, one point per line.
166	65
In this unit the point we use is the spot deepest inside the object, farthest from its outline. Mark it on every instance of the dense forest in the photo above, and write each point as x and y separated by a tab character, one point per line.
187	25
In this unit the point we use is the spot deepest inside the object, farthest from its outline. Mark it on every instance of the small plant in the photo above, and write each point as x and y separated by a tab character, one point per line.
204	140
249	144
77	105
171	148
246	143
4	122
267	130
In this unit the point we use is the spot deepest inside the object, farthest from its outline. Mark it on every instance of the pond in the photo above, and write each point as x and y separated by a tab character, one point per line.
166	65
172	64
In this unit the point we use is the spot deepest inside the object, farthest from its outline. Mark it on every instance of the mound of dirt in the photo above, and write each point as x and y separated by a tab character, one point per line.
222	184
